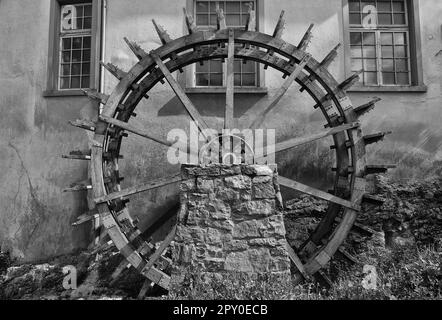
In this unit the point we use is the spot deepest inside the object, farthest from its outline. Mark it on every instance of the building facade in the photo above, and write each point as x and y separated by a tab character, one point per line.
51	50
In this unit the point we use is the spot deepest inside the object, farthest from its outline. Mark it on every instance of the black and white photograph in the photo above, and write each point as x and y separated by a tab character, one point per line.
187	152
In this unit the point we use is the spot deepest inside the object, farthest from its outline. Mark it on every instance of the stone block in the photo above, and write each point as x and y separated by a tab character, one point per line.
204	185
238	182
263	188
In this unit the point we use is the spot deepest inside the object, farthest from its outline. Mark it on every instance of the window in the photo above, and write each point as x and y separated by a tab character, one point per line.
382	42
74	46
211	73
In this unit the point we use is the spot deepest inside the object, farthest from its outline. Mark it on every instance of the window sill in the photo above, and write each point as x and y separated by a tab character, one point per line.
418	88
63	93
211	90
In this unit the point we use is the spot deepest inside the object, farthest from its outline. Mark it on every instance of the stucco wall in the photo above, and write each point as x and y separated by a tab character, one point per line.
35	216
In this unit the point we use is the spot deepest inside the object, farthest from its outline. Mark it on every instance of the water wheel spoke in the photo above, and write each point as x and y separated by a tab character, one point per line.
230	82
297	186
163	246
256	116
138	189
191	109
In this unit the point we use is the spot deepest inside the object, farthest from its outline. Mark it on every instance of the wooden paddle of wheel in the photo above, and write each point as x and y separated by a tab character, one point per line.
296	65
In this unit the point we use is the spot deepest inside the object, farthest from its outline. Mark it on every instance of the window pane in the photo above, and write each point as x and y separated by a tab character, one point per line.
79	11
88	11
66	56
370	78
237	66
356	52
85	82
387	51
388	65
75	82
233	20
202	6
387	38
384	6
385	18
399	18
216	66
398	6
399	38
355	18
237	80
202	19
86	55
64	83
248	80
202	80
86	69
356	64
249	66
355	38
87	23
370	65
400	52
354	5
369	52
401	65
65	69
76	67
202	68
86	42
76	55
245	6
232	7
216	79
403	78
213	19
369	38
67	42
76	43
388	77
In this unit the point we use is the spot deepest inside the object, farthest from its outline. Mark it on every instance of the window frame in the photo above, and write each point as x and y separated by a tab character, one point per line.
52	87
414	50
188	78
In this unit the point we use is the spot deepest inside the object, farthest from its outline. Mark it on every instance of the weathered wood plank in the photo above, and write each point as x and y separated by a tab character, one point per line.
166	242
230	78
296	260
297	186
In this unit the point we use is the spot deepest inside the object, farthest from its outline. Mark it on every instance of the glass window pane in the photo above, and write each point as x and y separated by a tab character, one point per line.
355	18
66	43
86	42
401	65
369	51
248	80
216	66
76	55
388	65
80	23
370	65
79	11
85	82
384	6
356	52
245	6
354	5
387	38
76	67
237	66
237	80
355	38
75	82
403	78
202	79
86	68
400	52
369	38
202	19
86	55
216	79
370	78
387	51
356	64
249	66
399	18
232	7
87	23
213	20
398	6
66	56
399	38
233	20
384	18
65	69
76	43
388	77
88	11
64	83
202	6
202	68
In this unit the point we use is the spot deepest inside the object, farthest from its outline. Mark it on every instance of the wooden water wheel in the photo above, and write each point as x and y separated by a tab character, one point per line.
295	65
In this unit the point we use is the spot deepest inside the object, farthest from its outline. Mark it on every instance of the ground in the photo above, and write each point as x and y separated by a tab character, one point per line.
404	255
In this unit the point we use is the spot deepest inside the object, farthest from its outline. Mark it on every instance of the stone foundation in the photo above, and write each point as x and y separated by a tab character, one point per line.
229	222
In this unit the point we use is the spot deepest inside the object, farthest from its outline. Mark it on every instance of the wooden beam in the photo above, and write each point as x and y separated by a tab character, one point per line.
230	82
296	260
306	39
166	242
317	193
221	19
193	112
279	26
251	18
138	189
190	22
